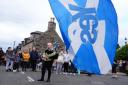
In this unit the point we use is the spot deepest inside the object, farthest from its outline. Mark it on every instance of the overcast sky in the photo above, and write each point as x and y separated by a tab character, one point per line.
20	17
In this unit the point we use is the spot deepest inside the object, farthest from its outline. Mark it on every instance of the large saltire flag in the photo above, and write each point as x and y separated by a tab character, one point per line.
90	31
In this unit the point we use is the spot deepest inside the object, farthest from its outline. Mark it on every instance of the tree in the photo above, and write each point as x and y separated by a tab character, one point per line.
122	53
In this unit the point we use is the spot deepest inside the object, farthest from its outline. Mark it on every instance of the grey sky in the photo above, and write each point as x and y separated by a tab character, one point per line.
20	17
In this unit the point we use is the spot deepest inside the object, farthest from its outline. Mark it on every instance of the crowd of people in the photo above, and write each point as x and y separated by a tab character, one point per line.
49	60
24	60
119	66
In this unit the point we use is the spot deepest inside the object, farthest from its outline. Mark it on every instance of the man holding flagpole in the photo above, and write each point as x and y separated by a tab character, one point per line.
48	58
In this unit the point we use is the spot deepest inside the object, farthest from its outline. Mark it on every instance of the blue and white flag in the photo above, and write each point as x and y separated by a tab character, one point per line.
90	31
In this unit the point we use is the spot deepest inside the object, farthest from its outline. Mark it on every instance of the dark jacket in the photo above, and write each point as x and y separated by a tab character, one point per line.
114	67
1	54
50	54
34	55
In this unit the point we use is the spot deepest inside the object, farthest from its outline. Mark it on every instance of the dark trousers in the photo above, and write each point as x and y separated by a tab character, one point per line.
24	65
66	66
0	61
33	64
16	66
47	65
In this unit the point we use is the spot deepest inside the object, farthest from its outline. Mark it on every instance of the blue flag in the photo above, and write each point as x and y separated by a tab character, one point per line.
90	31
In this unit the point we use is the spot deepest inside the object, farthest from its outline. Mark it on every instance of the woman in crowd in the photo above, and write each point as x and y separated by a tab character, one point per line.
59	63
17	60
66	62
25	60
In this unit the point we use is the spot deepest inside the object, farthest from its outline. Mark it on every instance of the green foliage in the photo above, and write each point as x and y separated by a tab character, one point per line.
122	53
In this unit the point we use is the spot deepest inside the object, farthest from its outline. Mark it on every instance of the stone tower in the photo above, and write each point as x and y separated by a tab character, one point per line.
51	25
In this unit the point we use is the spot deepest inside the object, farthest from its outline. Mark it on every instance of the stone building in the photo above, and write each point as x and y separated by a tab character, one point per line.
40	39
49	36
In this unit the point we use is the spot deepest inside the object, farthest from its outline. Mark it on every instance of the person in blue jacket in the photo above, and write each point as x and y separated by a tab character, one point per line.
33	58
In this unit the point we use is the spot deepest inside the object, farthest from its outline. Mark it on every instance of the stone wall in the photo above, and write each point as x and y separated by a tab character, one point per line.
40	39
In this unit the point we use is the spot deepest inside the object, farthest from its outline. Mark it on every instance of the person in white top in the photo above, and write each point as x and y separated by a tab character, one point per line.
66	61
60	62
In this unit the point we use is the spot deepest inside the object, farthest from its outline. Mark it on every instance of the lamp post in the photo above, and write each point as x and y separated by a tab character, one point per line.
14	44
126	41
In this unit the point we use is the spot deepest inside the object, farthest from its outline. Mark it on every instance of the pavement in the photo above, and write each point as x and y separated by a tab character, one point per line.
30	78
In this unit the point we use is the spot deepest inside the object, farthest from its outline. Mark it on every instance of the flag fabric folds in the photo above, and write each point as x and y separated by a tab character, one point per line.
90	32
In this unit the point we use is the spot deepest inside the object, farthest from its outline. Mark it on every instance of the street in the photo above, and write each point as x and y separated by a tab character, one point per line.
30	78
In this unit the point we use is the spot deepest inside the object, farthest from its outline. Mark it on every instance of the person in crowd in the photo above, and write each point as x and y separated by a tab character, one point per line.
60	62
1	56
17	60
114	69
21	58
33	58
39	62
120	66
48	61
26	56
66	62
124	64
9	59
73	69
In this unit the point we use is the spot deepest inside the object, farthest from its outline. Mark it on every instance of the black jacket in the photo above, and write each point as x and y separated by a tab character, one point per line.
1	54
51	54
34	55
